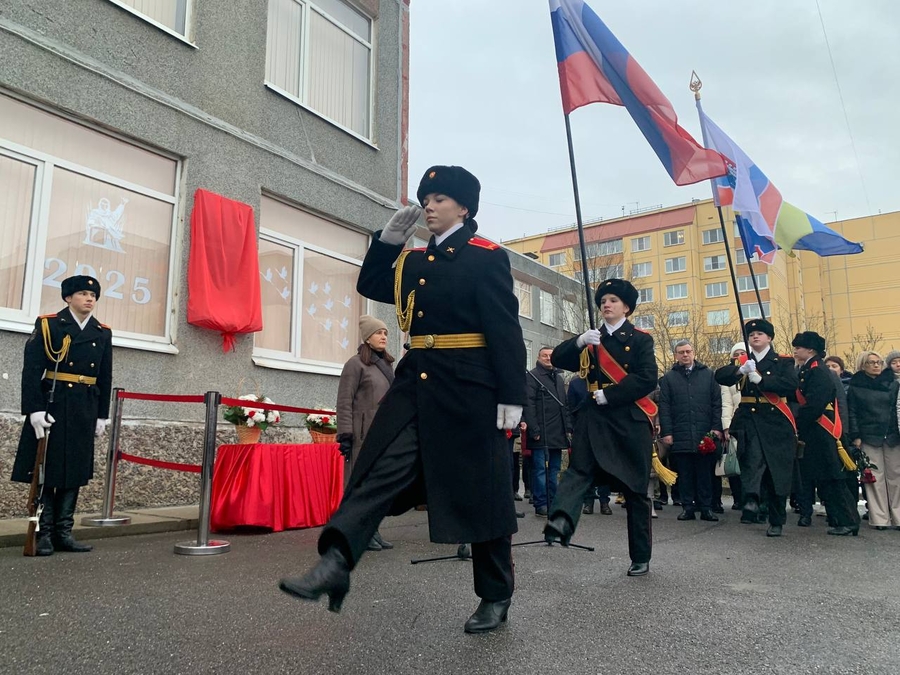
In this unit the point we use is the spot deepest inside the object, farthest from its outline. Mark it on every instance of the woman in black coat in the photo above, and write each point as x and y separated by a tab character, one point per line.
872	400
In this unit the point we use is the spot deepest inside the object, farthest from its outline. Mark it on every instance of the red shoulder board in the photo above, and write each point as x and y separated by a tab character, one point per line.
484	243
815	364
641	330
786	356
103	325
47	316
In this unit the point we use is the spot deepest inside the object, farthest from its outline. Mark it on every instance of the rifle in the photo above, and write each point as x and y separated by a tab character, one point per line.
35	495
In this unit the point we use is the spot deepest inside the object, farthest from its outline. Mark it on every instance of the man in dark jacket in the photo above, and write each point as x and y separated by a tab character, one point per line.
820	429
613	432
74	349
690	407
548	425
763	424
439	434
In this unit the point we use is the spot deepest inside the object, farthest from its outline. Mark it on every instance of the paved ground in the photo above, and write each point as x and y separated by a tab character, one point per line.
719	598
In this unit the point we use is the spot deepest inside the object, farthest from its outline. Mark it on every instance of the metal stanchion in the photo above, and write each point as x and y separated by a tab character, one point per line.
112	464
203	545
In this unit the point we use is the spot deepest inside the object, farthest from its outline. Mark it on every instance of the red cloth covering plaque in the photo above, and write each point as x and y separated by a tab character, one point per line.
279	487
223	270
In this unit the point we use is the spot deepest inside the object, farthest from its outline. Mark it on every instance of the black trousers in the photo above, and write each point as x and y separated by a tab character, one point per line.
773	504
362	510
695	474
576	484
840	507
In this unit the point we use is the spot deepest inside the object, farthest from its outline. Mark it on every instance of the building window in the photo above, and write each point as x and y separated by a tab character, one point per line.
548	308
676	291
673	238
529	352
599	248
740	257
522	290
640	270
644	322
640	244
308	268
677	319
717	290
173	15
718	317
557	259
720	345
77	201
746	284
712	236
714	263
645	295
319	53
676	264
750	310
606	272
573	321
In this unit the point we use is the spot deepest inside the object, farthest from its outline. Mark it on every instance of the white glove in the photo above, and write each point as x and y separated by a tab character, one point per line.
508	416
600	397
748	367
40	421
754	377
589	337
100	427
401	225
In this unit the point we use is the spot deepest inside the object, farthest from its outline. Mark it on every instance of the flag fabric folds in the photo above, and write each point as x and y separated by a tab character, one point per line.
594	67
766	222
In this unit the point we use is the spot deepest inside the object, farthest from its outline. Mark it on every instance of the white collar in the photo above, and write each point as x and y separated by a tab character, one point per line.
613	328
439	239
759	356
81	324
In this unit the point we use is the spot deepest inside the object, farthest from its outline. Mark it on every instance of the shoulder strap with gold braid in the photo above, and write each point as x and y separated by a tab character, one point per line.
56	356
404	316
835	429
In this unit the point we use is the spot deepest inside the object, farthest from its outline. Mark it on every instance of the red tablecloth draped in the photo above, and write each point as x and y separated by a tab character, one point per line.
279	487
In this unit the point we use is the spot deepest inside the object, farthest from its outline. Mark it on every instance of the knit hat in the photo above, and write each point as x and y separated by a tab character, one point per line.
891	355
368	325
622	289
811	340
453	181
737	346
74	284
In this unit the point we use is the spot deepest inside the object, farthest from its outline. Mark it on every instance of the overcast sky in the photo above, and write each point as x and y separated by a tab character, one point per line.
484	93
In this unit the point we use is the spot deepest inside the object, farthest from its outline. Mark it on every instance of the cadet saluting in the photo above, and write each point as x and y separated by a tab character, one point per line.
83	348
437	434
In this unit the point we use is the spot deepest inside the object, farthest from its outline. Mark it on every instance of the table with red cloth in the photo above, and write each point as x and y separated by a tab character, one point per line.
276	486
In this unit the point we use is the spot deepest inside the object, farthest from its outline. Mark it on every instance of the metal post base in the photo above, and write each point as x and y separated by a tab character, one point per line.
193	548
106	522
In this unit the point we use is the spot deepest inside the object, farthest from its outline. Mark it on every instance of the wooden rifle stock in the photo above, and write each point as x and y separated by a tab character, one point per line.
35	494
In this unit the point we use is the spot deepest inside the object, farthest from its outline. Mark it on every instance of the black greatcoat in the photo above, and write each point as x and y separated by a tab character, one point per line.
462	286
618	434
777	439
76	407
820	456
543	415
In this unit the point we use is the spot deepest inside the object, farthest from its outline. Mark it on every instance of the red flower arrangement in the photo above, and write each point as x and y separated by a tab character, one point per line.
867	476
707	444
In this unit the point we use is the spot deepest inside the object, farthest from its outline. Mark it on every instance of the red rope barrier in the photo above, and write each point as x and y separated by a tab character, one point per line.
273	406
174	398
159	464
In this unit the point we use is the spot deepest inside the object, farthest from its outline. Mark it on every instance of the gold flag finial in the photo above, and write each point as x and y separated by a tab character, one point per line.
696	84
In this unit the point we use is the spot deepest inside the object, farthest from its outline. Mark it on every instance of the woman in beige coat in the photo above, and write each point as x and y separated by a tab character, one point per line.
364	381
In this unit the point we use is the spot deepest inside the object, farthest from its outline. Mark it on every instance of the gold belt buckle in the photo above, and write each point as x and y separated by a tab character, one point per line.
429	341
81	379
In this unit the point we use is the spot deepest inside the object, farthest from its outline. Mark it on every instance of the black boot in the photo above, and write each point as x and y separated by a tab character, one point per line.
707	514
330	576
558	529
45	525
588	507
381	542
63	520
488	616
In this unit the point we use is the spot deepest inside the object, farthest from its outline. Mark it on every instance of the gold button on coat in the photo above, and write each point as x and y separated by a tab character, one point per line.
431	258
420	314
421	282
424	376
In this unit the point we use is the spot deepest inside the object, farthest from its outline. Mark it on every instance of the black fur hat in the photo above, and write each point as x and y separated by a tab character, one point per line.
453	181
72	285
809	340
622	289
760	325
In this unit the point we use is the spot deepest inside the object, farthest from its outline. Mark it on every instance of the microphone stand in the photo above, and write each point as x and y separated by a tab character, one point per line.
544	390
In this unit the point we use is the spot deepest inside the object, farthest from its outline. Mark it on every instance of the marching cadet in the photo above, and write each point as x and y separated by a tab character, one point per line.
438	435
74	349
763	424
819	428
613	429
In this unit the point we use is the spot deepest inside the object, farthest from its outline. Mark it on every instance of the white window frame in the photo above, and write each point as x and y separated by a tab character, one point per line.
671	287
672	263
22	321
638	268
713	236
679	236
548	300
526	287
302	101
684	318
185	37
714	263
750	310
718	317
645	295
640	244
551	257
720	286
273	358
645	322
719	344
745	284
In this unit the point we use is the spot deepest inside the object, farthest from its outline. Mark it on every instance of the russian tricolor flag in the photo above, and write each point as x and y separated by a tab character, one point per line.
594	67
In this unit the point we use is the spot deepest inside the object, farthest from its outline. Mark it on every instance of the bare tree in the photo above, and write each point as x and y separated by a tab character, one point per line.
790	323
869	340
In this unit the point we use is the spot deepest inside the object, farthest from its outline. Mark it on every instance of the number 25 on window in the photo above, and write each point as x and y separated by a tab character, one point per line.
140	292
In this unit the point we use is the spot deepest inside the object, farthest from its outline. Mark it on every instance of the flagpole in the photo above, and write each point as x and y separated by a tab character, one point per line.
696	85
580	224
